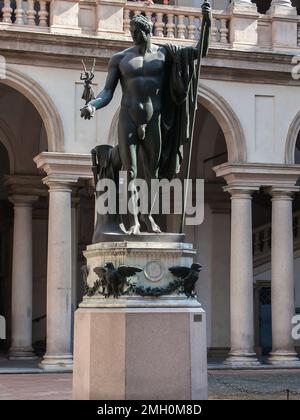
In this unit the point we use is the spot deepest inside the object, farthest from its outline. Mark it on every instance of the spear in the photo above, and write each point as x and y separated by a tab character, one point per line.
198	70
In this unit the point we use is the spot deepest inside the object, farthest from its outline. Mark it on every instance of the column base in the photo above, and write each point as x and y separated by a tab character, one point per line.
22	353
61	363
242	360
284	358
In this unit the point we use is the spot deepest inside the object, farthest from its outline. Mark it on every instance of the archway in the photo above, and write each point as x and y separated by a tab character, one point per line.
228	121
291	150
22	136
5	247
42	102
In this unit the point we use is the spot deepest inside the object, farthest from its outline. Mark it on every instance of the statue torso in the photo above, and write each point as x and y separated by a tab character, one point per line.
142	79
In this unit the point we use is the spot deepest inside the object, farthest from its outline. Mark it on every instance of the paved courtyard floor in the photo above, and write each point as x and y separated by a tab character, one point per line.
228	385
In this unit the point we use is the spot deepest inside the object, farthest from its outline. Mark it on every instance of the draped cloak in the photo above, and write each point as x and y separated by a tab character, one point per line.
177	107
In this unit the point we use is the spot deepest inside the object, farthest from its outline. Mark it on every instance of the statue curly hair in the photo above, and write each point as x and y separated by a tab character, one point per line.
143	23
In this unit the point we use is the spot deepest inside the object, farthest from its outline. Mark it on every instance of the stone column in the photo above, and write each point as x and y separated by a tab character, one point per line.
241	280
75	229
59	277
283	304
21	339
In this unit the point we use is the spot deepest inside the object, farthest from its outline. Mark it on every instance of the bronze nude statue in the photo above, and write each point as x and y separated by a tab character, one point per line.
158	98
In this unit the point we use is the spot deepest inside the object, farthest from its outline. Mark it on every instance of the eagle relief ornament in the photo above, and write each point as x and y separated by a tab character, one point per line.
115	282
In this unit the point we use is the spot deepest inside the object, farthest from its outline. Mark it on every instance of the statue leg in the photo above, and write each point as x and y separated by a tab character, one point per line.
128	145
151	152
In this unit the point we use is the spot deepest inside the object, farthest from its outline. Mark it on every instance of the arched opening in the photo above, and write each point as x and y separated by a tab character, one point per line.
42	102
297	150
22	136
212	237
292	147
6	219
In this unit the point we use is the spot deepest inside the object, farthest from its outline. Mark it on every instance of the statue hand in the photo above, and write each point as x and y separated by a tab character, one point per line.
88	112
206	11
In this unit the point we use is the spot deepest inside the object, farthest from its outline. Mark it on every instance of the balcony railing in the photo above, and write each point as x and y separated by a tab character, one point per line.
29	13
109	19
181	23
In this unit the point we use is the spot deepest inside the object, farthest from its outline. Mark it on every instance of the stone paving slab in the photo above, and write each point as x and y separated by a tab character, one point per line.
223	385
254	385
51	386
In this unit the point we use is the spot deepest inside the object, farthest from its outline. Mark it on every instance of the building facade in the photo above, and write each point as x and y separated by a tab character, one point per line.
246	148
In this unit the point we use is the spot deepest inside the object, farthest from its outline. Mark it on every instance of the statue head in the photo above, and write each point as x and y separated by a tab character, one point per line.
141	29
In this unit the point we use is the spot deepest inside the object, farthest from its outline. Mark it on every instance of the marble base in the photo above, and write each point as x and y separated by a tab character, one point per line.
281	358
242	361
140	348
22	353
57	363
140	354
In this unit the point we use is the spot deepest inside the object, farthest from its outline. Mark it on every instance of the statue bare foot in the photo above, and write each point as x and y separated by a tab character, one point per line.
151	226
123	228
134	230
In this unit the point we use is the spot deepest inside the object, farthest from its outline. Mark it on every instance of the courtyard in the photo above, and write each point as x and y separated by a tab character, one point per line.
223	385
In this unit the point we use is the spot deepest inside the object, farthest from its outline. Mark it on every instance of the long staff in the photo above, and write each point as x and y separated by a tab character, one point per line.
198	70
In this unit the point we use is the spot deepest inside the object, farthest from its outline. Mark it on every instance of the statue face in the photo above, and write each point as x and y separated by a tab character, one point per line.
138	35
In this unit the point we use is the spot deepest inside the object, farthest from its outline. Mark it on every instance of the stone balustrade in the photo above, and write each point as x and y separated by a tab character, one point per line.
239	26
180	23
27	13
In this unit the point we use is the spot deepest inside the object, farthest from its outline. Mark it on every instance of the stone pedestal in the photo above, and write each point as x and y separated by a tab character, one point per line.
64	17
137	348
109	17
140	354
243	25
284	25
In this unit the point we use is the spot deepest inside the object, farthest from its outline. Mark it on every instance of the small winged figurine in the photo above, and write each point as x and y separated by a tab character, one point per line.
88	93
113	280
189	276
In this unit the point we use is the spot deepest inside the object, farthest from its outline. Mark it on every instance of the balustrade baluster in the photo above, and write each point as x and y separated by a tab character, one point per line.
159	25
43	14
170	25
7	11
214	30
191	28
126	22
19	12
224	31
30	13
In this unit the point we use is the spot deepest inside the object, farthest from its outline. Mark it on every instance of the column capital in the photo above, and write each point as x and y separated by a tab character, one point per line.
19	200
241	192
63	183
282	193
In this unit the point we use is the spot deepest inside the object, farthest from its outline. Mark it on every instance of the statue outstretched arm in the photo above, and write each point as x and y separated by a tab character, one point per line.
106	95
